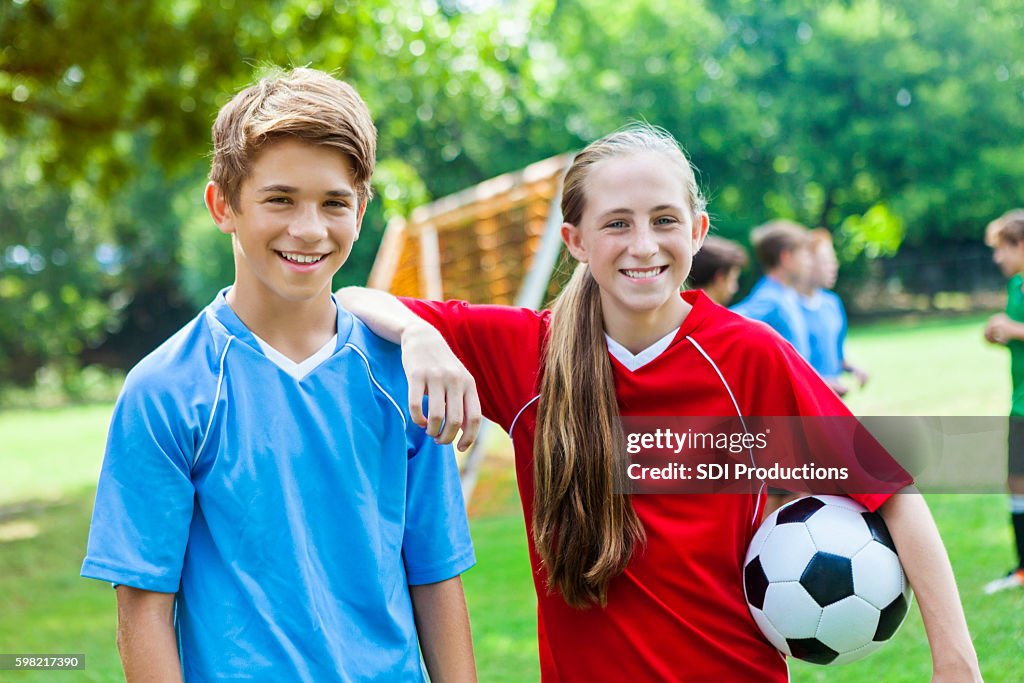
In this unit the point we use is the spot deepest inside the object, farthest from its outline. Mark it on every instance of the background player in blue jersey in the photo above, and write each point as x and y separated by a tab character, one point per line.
782	249
258	522
825	317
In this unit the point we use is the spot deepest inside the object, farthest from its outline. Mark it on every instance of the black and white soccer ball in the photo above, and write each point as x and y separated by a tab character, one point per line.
823	581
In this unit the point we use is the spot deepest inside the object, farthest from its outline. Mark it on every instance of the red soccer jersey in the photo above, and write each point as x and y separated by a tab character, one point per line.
678	612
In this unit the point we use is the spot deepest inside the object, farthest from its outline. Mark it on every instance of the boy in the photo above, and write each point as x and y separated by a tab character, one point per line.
782	249
825	316
1006	237
716	269
254	518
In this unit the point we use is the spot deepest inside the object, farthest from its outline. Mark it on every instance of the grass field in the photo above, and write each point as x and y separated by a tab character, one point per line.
50	460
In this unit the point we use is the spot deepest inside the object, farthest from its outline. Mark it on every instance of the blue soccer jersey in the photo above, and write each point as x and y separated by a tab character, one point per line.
777	305
826	331
289	516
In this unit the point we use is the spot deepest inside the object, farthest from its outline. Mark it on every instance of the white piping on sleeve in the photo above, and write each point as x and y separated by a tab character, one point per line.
366	362
216	401
516	418
736	405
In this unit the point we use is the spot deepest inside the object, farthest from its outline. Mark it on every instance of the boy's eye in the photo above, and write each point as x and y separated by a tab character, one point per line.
280	200
335	204
666	220
616	224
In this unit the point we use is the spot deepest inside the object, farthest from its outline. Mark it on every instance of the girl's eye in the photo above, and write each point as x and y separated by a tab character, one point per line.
280	200
616	224
666	220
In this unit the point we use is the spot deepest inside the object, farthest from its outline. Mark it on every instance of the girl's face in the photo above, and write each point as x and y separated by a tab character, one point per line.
638	233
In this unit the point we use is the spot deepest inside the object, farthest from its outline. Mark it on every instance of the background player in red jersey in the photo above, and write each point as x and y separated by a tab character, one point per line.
647	586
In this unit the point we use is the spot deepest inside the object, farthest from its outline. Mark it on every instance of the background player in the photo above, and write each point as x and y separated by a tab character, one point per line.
716	269
783	249
1006	237
264	503
825	316
649	586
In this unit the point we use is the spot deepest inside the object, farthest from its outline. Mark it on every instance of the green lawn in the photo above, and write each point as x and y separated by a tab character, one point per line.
929	367
50	460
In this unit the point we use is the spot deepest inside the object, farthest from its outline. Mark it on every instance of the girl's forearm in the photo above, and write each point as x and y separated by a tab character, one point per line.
385	315
927	567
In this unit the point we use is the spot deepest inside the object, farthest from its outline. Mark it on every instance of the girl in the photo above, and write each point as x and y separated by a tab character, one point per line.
642	588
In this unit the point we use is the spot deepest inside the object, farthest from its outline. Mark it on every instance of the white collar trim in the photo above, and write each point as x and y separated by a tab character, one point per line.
298	370
633	363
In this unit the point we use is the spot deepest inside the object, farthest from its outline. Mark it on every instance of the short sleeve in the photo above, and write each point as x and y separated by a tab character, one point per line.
436	545
800	392
501	347
144	500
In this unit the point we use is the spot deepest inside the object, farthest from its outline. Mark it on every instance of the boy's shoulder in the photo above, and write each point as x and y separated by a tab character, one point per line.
185	362
382	358
765	296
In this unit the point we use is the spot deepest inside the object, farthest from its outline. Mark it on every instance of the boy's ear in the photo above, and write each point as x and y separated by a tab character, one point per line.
219	207
573	238
785	257
359	218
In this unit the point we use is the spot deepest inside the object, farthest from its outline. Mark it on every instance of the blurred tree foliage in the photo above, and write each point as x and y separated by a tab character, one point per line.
888	122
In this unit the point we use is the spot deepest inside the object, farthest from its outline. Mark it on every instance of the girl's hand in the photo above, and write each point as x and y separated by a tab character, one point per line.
434	371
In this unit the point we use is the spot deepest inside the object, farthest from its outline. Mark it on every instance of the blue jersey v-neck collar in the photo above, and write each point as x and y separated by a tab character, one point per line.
226	316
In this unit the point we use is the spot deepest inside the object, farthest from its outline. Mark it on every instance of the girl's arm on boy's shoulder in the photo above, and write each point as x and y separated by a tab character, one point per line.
442	622
927	567
431	367
145	636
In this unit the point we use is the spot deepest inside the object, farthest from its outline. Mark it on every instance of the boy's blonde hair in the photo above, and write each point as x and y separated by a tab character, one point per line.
1007	228
302	103
775	237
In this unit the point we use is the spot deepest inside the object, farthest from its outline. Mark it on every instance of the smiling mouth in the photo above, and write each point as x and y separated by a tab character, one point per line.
301	259
643	273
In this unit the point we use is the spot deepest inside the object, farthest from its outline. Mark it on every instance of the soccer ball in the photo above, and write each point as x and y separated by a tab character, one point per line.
823	581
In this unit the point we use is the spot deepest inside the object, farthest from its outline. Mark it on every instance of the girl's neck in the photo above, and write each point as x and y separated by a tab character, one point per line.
636	331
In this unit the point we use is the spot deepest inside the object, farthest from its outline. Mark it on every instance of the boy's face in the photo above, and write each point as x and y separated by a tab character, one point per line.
1009	257
724	285
298	217
797	266
826	266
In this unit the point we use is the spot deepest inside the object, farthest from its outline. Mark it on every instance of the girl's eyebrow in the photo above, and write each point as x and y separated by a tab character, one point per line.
659	207
609	212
